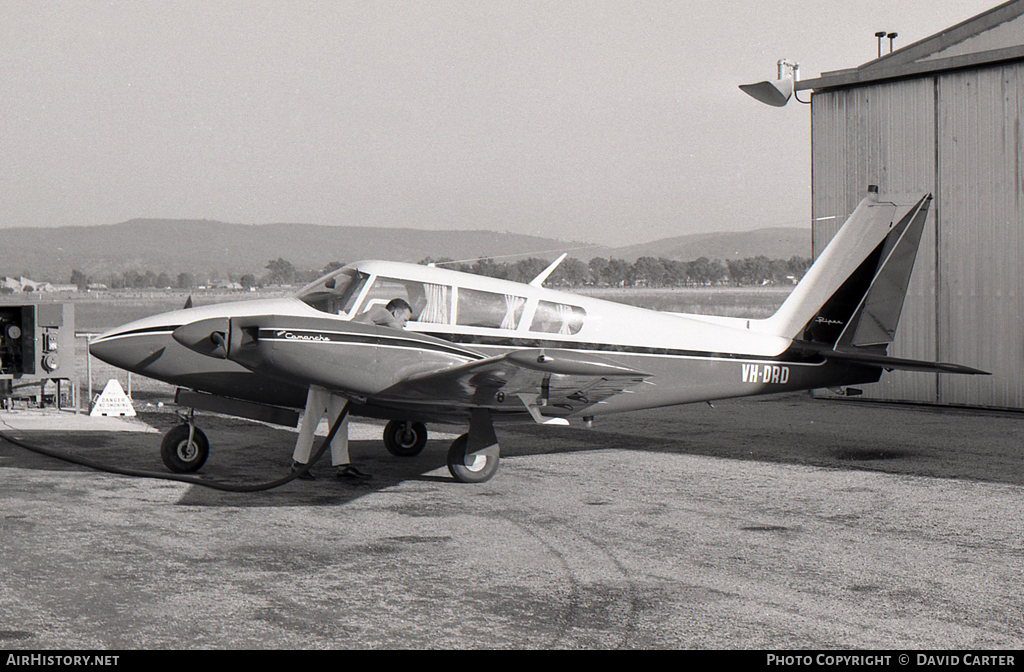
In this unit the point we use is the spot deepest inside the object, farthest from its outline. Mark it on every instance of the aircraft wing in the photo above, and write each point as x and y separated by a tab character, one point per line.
549	382
401	367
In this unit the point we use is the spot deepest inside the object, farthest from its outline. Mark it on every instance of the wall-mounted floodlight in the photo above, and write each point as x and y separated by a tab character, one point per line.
776	93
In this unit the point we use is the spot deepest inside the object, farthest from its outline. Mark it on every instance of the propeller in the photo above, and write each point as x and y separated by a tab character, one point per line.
220	341
208	337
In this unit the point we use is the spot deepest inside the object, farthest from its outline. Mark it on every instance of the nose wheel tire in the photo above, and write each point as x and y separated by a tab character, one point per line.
405	439
179	454
477	469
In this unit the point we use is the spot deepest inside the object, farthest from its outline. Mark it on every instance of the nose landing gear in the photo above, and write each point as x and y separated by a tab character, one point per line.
184	448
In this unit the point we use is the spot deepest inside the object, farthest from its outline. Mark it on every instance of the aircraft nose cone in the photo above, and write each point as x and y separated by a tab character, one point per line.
105	350
129	349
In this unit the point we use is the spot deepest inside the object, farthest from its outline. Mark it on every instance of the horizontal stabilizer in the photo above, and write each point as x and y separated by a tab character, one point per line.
886	362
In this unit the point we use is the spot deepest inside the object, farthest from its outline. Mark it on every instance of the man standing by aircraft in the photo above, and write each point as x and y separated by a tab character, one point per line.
319	401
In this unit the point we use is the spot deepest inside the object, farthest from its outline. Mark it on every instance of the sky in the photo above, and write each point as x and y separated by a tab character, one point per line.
600	121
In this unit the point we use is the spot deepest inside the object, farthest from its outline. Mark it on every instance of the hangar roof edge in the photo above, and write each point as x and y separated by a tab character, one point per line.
990	37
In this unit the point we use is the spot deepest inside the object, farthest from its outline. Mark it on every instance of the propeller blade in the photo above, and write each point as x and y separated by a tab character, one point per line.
207	337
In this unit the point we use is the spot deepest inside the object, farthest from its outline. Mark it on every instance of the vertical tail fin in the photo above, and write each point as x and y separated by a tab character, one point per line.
853	294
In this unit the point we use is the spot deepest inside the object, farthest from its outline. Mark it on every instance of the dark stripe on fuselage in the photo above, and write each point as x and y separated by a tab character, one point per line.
709	375
138	332
320	336
791	355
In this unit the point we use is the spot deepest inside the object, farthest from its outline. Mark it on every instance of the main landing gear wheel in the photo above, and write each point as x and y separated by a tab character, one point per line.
481	468
181	455
405	439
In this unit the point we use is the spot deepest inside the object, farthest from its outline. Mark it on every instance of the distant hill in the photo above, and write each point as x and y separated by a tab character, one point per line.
777	243
207	247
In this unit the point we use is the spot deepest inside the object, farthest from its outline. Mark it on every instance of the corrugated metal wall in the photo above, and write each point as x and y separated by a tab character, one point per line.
981	234
884	135
956	135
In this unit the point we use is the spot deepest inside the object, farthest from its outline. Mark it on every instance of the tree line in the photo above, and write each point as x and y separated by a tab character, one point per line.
278	272
610	272
644	272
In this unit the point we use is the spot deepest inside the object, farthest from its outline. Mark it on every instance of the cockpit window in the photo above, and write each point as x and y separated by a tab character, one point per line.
487	309
430	303
334	293
557	318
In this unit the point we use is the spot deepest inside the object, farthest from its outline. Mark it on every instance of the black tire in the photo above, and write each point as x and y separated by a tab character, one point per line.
404	439
483	470
179	455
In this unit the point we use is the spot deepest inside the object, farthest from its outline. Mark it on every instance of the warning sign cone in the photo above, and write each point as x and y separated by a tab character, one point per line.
112	401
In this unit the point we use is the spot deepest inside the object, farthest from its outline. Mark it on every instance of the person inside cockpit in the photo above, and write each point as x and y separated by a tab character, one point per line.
394	315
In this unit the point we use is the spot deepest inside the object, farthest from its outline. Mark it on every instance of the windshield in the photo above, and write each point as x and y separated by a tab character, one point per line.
334	293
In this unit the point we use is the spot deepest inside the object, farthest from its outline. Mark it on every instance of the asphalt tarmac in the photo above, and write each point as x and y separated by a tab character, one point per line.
770	523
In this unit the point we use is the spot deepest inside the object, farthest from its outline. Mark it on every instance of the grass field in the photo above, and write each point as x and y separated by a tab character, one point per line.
95	313
99	311
751	302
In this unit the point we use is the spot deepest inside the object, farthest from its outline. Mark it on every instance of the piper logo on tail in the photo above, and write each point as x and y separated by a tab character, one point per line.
766	373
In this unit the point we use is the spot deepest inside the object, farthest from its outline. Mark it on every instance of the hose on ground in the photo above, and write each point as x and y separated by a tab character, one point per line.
182	478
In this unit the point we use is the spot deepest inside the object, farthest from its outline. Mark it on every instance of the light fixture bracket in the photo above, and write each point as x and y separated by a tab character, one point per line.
778	92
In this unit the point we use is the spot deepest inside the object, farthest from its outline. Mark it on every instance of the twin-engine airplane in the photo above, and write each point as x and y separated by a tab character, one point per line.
484	350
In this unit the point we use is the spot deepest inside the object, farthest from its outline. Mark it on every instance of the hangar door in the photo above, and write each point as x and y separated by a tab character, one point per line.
981	245
885	135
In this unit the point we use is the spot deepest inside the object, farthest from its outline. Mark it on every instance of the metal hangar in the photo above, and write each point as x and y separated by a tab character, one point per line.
942	115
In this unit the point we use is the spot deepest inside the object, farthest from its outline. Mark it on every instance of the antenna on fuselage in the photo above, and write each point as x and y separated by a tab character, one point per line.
539	280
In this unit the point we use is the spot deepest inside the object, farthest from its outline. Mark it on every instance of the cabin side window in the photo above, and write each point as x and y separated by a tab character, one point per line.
557	318
488	309
335	293
430	303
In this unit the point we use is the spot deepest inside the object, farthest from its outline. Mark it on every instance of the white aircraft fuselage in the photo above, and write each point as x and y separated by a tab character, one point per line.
688	357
